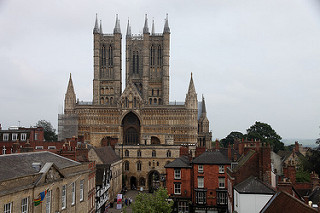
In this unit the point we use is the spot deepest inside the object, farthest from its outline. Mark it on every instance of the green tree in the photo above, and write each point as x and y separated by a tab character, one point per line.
152	203
49	131
265	133
230	138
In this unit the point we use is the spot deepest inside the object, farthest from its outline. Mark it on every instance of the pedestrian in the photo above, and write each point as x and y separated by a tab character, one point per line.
129	201
126	201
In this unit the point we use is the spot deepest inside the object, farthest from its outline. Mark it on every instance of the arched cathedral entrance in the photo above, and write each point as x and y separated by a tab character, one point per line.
153	180
131	129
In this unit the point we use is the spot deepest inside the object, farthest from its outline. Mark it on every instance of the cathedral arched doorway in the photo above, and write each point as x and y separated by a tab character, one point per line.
133	182
131	129
153	180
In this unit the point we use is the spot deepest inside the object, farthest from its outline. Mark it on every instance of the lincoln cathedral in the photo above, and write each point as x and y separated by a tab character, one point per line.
140	122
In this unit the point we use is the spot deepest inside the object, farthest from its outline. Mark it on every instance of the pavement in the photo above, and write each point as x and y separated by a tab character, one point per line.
129	194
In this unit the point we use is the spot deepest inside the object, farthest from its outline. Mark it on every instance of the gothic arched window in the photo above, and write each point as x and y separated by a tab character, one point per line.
159	59
126	153
110	59
154	154
126	166
168	153
103	55
138	166
135	62
135	102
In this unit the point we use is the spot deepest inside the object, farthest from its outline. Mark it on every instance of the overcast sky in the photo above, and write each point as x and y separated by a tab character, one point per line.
252	60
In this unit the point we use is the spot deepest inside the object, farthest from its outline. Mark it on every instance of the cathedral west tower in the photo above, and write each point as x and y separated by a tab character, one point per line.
147	63
107	83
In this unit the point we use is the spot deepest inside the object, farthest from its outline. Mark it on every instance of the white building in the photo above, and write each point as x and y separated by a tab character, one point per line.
251	195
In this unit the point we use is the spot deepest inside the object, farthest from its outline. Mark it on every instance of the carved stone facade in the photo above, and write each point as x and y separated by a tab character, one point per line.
140	117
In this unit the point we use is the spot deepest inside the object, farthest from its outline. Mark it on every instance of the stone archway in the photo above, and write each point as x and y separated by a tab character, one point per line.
153	180
133	182
131	129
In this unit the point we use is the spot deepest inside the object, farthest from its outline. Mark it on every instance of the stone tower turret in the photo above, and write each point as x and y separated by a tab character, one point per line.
147	64
107	82
191	97
70	98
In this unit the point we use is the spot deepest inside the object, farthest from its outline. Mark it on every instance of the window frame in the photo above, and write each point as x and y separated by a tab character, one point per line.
14	136
221	169
24	205
200	168
73	192
222	198
23	136
200	182
6	136
64	197
177	174
48	201
6	209
81	190
220	182
154	153
177	188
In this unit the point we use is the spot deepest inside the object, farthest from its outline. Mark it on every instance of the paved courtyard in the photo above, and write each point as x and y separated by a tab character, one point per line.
129	194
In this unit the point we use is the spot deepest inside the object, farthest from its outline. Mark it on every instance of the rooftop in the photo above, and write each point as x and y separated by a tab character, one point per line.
19	165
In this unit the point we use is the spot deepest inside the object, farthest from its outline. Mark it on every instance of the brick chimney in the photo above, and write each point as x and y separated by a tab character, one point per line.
184	151
290	172
200	150
314	179
229	152
217	144
285	186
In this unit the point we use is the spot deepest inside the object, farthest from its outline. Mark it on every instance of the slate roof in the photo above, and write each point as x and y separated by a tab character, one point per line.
19	165
212	157
107	154
234	152
253	185
243	159
283	202
182	162
315	195
285	154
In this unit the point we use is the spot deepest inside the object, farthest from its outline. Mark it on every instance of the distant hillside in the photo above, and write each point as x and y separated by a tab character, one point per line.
304	142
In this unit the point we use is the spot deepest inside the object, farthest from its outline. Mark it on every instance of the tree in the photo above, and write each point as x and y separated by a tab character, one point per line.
265	133
152	203
230	138
49	131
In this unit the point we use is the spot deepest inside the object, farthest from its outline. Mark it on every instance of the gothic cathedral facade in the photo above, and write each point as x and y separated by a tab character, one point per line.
146	129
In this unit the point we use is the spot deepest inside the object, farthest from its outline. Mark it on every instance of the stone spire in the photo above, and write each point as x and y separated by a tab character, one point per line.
70	97
191	97
166	28
146	28
203	110
96	27
117	26
152	31
191	86
101	32
128	29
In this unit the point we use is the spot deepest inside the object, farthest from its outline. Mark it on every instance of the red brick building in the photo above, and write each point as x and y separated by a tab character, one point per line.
200	184
210	181
179	183
255	161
